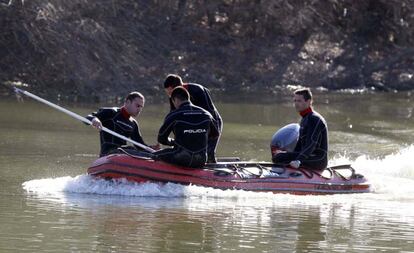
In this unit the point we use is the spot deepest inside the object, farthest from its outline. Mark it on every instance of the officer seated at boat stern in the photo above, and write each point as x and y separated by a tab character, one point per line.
311	150
192	126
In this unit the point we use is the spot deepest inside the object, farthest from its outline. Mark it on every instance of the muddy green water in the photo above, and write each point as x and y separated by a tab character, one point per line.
48	204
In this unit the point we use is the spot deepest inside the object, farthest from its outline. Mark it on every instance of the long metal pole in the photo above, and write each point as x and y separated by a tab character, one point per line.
83	119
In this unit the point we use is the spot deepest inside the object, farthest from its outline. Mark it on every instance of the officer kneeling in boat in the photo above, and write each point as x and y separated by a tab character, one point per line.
192	127
311	150
199	96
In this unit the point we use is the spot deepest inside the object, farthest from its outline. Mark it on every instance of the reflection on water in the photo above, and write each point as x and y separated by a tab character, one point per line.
193	218
190	218
47	203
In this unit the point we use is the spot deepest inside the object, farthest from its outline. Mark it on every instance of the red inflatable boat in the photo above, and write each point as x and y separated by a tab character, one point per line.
249	176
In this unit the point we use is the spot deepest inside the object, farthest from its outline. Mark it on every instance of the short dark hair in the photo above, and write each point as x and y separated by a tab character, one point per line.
173	81
180	93
133	95
305	92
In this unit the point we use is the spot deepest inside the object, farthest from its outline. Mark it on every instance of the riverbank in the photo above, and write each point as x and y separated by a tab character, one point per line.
281	94
84	50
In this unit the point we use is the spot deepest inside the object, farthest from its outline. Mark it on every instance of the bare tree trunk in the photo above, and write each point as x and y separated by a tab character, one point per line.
176	20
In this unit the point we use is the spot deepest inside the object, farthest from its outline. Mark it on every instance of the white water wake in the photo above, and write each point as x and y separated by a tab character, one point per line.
391	177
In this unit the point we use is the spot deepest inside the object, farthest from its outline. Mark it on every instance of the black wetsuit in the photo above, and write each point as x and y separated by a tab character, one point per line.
200	96
119	121
312	147
192	127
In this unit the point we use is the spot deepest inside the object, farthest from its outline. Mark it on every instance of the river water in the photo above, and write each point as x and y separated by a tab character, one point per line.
49	204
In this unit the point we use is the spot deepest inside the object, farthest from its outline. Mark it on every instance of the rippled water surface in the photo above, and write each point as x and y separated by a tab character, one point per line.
48	203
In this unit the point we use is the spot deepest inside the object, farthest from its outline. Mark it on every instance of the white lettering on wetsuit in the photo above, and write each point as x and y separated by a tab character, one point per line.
196	131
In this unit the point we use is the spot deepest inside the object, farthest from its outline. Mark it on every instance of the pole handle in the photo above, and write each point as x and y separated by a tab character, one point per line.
83	119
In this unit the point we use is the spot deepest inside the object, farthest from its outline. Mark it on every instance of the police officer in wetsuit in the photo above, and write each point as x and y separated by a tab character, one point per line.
120	120
199	96
311	150
192	127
